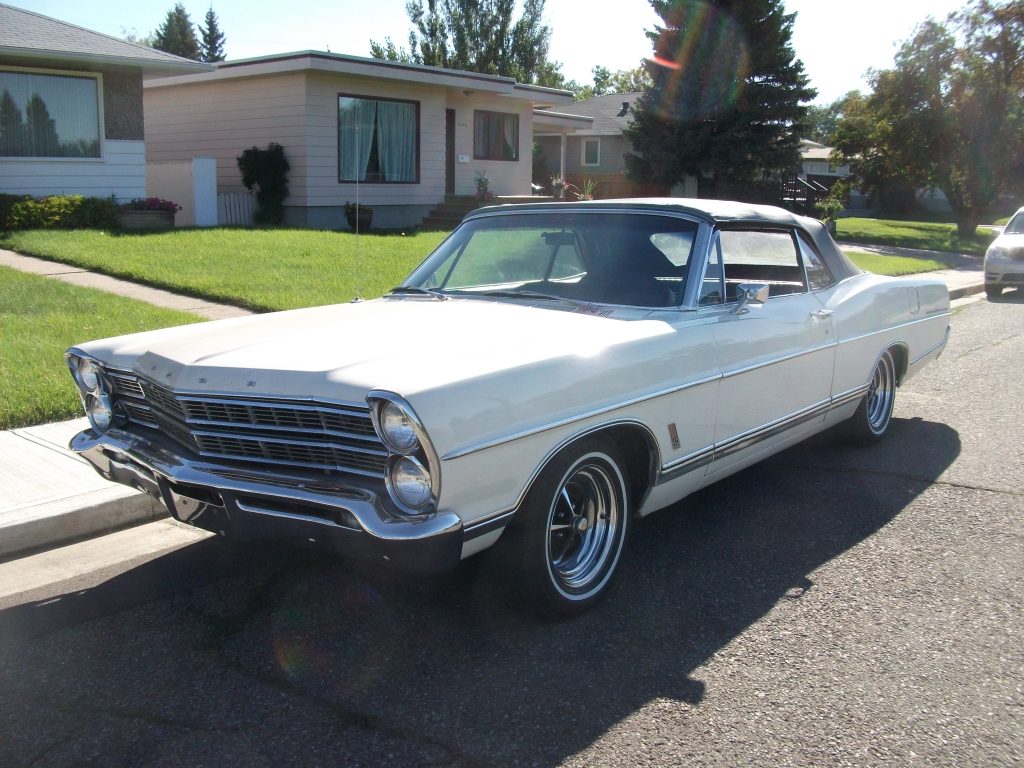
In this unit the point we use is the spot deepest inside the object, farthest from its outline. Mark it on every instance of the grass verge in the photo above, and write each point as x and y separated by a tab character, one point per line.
894	266
41	318
263	269
912	234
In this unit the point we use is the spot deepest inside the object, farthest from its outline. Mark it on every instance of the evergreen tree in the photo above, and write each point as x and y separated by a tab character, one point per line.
727	93
211	39
12	128
177	35
476	36
41	128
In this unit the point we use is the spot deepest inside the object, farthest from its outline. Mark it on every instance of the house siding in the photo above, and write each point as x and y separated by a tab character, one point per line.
222	119
120	172
300	111
506	177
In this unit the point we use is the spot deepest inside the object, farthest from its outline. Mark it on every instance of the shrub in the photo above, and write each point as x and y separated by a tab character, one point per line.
7	203
266	171
63	212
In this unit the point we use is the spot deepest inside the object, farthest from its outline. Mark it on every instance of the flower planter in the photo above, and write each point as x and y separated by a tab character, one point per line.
146	220
363	219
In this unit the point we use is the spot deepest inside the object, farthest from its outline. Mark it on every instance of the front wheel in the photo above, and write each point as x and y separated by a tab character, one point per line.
993	291
871	420
573	528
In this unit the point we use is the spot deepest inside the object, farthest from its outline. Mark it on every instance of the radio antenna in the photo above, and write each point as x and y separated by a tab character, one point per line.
358	265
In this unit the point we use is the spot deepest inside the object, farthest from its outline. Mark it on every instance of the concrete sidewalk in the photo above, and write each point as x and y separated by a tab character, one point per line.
86	279
49	496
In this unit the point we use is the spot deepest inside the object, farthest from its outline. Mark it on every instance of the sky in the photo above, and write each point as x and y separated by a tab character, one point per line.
838	41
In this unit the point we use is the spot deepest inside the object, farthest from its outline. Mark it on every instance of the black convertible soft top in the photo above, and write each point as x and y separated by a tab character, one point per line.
714	212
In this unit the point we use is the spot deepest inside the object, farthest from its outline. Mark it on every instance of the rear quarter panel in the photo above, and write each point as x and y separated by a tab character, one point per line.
872	313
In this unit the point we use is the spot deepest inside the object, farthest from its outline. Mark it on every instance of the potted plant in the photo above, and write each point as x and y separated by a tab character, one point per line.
147	213
558	185
483	192
359	217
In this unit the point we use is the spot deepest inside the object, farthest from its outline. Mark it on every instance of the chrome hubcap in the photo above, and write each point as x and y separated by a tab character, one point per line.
881	394
583	526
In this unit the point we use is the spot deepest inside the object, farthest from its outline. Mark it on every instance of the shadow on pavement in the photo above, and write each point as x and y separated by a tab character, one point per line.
447	665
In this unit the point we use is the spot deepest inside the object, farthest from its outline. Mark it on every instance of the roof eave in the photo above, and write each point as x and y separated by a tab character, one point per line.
148	66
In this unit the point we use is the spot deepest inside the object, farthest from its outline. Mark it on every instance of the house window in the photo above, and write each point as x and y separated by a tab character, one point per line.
495	136
591	152
378	140
47	115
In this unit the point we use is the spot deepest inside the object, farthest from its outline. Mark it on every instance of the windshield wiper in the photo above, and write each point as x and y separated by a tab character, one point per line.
506	294
417	291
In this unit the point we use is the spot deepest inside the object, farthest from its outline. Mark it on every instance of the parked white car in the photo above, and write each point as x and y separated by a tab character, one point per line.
549	373
1004	259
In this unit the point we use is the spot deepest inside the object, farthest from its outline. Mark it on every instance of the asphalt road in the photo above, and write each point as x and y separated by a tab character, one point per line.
831	606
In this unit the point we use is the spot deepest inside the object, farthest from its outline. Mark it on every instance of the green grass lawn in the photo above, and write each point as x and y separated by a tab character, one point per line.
911	234
41	318
892	265
263	269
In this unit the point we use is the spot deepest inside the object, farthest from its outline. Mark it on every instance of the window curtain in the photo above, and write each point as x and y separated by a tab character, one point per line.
510	134
357	118
396	140
496	136
48	116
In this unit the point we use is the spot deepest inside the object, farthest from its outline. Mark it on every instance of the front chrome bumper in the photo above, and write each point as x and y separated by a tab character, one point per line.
353	519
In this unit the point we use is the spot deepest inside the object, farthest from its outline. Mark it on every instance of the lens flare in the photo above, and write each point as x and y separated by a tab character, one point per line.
701	62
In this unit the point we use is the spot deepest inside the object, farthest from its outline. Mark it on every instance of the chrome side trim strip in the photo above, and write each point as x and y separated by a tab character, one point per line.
458	454
847	397
686	465
933	350
484	527
749	439
892	328
773	361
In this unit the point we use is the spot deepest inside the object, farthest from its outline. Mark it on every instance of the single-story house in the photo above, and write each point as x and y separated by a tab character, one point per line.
589	145
71	118
397	137
816	165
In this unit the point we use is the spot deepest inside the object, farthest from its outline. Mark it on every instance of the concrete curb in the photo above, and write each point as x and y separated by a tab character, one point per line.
966	290
94	517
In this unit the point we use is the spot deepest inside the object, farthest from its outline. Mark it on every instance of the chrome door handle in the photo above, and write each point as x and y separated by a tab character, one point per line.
822	314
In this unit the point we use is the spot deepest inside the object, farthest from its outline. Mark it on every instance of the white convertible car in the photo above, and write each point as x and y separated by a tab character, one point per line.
549	373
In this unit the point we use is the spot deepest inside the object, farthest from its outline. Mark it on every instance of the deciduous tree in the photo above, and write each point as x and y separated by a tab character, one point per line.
727	94
949	114
475	36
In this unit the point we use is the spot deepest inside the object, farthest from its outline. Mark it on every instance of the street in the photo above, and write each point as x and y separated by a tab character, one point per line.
833	605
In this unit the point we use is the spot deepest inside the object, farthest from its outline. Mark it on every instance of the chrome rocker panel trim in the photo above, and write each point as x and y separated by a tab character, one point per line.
354	518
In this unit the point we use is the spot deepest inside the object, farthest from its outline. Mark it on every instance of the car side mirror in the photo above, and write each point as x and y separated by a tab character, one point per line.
750	293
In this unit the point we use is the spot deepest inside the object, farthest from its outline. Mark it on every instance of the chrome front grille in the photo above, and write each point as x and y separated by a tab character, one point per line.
311	435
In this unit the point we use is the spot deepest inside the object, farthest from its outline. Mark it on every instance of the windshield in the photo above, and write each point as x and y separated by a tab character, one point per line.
1016	225
600	257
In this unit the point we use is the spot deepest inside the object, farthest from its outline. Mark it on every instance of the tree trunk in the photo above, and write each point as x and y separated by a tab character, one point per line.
967	220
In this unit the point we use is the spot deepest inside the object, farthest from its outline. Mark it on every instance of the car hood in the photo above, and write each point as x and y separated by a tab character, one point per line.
434	353
1008	240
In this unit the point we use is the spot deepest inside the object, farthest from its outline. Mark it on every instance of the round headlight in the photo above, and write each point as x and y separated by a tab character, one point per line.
398	429
97	408
410	482
89	373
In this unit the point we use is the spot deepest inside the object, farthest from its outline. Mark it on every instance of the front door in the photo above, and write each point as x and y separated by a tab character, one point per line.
449	148
776	358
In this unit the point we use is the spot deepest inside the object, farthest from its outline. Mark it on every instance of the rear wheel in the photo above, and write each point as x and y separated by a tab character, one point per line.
871	420
573	528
